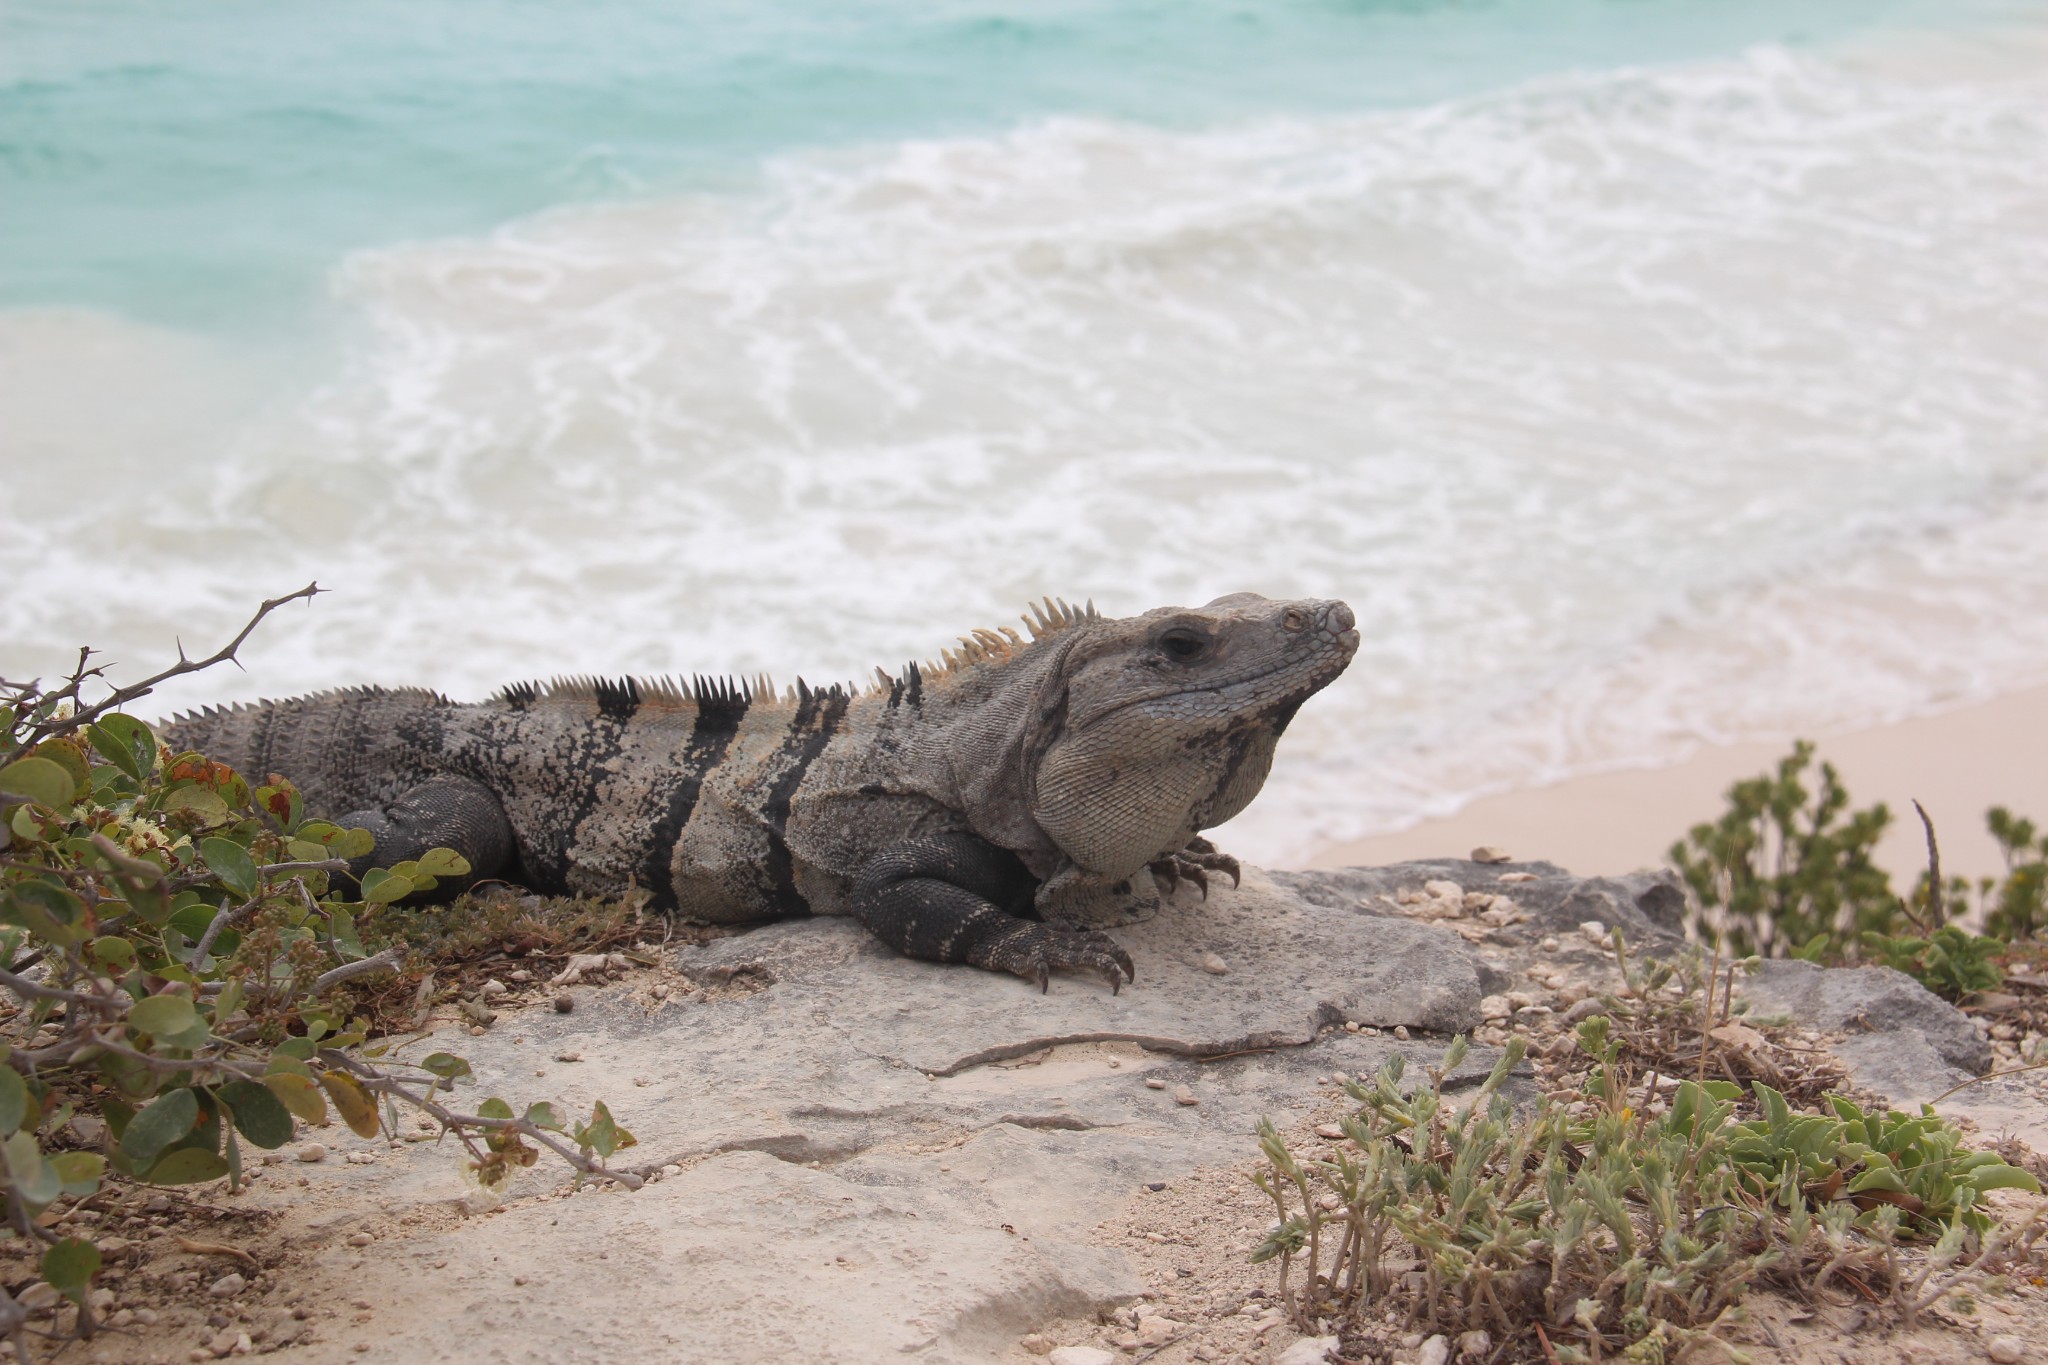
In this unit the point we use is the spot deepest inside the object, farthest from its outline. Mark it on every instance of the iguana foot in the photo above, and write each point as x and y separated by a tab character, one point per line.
445	812
1033	950
1194	864
956	898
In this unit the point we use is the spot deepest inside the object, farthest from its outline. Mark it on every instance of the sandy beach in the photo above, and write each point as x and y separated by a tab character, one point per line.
1957	763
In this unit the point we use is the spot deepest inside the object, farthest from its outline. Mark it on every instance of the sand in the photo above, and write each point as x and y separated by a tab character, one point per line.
1957	763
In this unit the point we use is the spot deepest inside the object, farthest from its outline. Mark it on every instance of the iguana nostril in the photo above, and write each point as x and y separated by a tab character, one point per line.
1337	616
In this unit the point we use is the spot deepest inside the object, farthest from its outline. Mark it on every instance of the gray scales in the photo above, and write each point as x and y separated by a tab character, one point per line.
1001	807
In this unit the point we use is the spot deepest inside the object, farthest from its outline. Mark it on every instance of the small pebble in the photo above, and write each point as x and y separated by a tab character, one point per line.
659	990
1435	1351
1154	1083
360	1239
1593	931
227	1286
1036	1343
564	1003
312	1151
1585	1009
1495	1007
38	1296
494	987
1183	1095
568	1056
2006	1350
1475	1345
1487	853
273	1158
1080	1355
1401	1032
1155	1185
1157	1331
522	976
671	1169
1214	965
476	1030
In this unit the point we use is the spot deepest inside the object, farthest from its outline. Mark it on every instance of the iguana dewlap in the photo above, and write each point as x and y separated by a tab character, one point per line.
941	807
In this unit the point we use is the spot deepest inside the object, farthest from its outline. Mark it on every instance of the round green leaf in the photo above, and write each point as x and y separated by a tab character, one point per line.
188	1166
381	887
46	909
40	780
444	862
445	1065
230	862
298	1094
163	1015
35	1179
168	1118
69	1267
124	742
13	1100
80	1171
114	952
259	1116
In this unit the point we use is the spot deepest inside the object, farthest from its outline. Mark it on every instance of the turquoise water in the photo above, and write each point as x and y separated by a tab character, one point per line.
206	164
1645	373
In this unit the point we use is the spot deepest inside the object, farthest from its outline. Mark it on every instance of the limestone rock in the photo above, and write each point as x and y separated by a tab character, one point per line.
1904	1041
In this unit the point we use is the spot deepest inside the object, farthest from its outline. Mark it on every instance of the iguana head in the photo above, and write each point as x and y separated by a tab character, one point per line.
1164	724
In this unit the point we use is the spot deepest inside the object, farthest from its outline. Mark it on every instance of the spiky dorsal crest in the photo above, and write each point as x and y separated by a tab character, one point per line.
982	647
413	695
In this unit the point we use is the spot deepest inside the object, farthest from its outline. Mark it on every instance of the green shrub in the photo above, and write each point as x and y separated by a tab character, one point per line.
187	969
1616	1232
1786	874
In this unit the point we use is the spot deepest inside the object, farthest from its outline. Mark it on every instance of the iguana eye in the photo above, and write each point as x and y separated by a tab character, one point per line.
1182	643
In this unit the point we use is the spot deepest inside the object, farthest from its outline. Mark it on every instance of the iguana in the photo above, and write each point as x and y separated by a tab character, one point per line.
997	808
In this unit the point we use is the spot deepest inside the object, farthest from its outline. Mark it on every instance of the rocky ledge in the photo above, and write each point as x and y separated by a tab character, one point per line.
862	1157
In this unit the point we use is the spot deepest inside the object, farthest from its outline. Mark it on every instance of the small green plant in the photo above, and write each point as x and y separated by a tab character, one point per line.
1952	962
1785	874
184	955
1785	871
2016	908
1620	1226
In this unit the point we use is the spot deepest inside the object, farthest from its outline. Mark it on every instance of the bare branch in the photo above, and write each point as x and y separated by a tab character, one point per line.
390	960
380	1082
1934	906
122	696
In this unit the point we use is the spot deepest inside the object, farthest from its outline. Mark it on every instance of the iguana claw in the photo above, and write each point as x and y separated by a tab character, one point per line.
1038	950
1193	864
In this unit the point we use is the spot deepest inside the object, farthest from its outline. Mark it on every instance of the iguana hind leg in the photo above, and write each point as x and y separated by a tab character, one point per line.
956	898
446	812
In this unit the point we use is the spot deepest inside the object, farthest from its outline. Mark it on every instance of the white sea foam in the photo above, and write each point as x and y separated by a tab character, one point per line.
1629	411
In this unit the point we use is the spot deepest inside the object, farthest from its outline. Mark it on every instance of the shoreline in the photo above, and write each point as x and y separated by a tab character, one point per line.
1958	763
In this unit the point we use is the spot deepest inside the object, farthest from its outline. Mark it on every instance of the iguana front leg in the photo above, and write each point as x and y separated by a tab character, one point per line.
1193	864
447	812
956	898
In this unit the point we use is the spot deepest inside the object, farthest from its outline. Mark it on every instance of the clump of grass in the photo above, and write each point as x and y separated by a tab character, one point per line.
1614	1231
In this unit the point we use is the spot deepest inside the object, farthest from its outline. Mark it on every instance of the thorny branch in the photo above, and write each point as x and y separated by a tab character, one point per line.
121	696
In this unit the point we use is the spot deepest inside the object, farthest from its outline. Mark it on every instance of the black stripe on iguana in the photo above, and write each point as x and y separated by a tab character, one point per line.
816	720
720	709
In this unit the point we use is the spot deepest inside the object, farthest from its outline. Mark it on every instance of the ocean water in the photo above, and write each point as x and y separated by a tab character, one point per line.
1644	373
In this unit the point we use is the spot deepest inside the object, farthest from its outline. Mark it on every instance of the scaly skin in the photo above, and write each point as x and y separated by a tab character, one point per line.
1067	778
